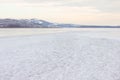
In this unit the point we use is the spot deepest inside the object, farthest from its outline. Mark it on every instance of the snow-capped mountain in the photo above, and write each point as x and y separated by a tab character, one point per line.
36	23
24	23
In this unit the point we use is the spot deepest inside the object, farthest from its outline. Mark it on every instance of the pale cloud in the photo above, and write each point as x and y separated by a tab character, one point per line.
103	5
11	1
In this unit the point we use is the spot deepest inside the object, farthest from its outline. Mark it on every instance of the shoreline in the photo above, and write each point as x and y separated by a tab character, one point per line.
95	32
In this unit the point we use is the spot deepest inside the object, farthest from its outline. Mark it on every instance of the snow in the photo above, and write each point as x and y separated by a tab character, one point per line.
36	21
68	55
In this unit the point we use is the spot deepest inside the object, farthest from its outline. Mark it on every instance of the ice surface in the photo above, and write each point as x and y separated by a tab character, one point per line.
72	55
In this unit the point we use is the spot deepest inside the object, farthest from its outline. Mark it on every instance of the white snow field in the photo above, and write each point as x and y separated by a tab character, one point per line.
68	54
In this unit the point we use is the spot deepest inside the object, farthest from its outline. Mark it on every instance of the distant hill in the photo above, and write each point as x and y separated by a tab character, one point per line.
36	23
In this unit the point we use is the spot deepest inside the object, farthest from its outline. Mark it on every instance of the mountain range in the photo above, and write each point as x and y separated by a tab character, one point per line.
36	23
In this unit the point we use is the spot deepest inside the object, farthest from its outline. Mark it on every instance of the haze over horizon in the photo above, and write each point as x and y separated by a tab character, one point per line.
88	12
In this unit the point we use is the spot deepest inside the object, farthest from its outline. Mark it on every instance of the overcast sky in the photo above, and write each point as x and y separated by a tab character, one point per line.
100	12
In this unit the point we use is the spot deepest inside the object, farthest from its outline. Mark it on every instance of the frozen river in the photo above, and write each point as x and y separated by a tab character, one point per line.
60	54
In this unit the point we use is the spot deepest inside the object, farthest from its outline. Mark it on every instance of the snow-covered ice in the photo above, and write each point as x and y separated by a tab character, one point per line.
68	55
